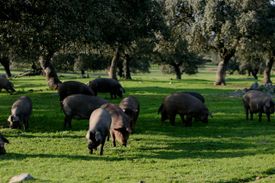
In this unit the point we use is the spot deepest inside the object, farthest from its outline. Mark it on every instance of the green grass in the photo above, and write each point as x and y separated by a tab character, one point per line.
228	149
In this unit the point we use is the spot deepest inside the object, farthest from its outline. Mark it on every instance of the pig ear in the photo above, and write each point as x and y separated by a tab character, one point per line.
122	130
88	135
10	118
5	140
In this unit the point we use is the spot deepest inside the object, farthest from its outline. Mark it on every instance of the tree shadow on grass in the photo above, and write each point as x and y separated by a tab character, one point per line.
168	90
88	157
61	136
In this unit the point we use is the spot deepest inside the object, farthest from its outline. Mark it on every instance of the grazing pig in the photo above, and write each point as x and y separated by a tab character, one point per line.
130	106
197	95
73	87
79	106
99	128
7	85
258	102
120	127
20	113
3	140
107	85
183	104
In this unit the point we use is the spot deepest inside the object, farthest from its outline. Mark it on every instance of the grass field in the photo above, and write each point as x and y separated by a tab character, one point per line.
227	149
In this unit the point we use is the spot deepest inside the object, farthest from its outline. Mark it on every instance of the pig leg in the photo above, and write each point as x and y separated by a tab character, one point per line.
25	124
114	139
188	120
246	112
182	119
101	147
67	122
251	115
260	116
172	119
163	117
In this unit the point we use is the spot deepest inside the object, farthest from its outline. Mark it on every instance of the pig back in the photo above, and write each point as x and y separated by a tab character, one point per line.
182	103
81	106
129	102
3	82
22	106
119	118
73	87
100	119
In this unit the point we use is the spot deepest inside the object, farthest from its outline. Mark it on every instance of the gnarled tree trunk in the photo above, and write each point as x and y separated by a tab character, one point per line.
177	71
5	61
49	70
113	67
267	71
126	67
221	70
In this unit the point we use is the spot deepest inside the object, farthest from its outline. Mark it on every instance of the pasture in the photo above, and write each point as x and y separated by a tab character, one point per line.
227	149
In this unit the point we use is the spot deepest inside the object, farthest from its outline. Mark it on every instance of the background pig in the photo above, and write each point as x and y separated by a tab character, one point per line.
107	85
3	140
99	128
73	87
258	102
20	113
183	104
120	127
79	106
130	106
7	85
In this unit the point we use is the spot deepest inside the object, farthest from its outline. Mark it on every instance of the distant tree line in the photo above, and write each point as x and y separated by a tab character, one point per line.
128	36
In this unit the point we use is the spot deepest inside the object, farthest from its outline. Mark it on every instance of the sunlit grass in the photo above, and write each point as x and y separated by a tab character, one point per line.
228	149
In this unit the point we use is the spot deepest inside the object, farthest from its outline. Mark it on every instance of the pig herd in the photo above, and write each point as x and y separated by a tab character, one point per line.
80	101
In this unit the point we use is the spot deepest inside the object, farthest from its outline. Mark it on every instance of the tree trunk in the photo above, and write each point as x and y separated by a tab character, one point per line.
267	71
113	67
5	61
126	65
49	70
82	73
177	71
120	72
221	70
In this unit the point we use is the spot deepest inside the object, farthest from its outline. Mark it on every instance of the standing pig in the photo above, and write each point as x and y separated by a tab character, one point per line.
79	106
130	106
107	85
7	85
183	104
73	87
258	102
20	113
120	127
99	128
3	140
